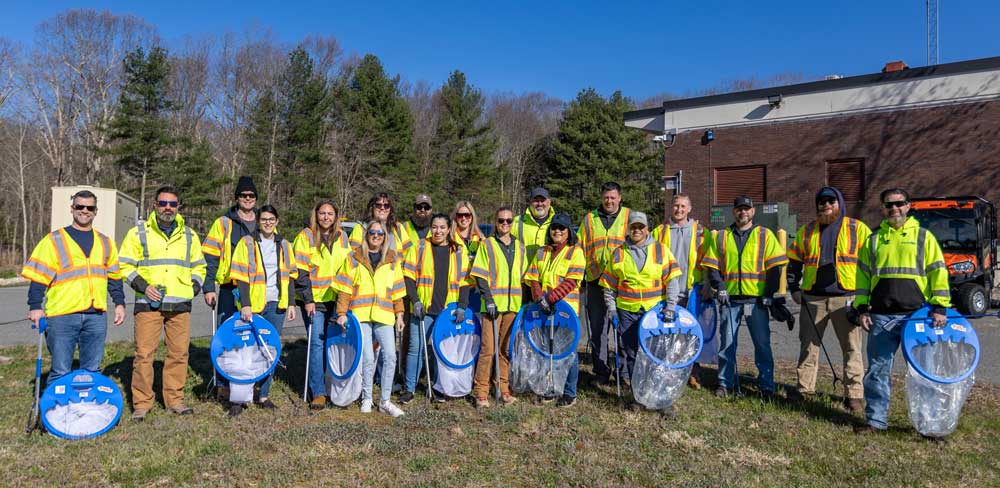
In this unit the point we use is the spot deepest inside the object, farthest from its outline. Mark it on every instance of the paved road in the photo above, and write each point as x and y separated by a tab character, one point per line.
785	343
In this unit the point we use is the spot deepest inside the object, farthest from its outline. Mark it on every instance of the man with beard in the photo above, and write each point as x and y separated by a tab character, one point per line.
420	222
744	265
162	261
824	258
532	226
240	220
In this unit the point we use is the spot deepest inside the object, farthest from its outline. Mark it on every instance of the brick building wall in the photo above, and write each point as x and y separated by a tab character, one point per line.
940	151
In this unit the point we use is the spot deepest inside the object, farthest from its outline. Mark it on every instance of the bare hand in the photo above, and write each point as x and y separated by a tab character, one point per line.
399	323
290	315
866	322
342	320
35	315
797	297
210	299
119	315
310	309
940	320
246	314
153	294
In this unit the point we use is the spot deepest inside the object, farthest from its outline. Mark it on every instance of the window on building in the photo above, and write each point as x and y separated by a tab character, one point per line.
745	180
848	176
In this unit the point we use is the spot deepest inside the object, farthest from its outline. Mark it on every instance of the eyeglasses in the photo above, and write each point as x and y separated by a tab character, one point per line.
248	195
463	216
268	220
897	204
90	208
826	201
376	232
167	203
505	221
382	206
422	207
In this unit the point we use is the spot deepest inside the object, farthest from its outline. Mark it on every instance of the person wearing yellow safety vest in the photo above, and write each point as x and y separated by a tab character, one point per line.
532	227
498	269
73	270
436	274
744	264
640	274
382	208
822	277
602	231
465	227
555	275
162	261
370	285
220	242
419	223
900	268
320	251
685	237
264	270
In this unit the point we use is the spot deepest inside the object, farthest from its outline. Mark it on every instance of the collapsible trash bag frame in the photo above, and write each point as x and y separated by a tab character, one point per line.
343	375
697	306
445	328
651	326
234	333
536	318
77	387
539	377
349	335
918	332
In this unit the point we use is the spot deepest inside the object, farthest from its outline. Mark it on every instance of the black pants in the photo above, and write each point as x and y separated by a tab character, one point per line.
596	312
628	331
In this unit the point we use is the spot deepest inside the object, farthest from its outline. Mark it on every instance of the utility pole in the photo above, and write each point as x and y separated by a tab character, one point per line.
933	52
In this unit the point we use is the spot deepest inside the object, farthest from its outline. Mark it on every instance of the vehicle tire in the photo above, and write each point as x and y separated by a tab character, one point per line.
972	299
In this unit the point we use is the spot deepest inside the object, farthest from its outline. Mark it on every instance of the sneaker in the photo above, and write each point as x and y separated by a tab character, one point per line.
139	415
390	409
634	407
855	405
318	403
693	383
669	413
941	441
566	401
235	410
406	397
549	399
366	406
267	403
508	399
482	402
437	397
865	430
181	409
721	392
793	395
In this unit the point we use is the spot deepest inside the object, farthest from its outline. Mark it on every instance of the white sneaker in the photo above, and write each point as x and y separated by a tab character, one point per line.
366	406
390	409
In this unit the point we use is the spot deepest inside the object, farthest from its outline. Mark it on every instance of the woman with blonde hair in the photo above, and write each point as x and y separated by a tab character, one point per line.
465	228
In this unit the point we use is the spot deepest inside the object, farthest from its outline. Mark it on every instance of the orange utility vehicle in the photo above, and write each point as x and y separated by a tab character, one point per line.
966	228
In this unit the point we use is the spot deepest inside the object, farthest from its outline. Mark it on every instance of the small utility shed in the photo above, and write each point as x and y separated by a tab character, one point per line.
933	130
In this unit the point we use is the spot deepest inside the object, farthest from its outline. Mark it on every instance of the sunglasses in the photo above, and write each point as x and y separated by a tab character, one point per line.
826	201
376	232
383	206
165	203
91	208
557	228
248	195
505	221
423	207
463	216
899	204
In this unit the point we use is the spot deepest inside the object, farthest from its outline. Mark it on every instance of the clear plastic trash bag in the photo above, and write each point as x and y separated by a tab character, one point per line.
81	405
342	358
935	407
656	386
458	350
83	419
537	369
247	363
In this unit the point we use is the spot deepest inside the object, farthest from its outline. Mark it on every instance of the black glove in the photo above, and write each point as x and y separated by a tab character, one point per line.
491	311
418	310
853	317
196	287
545	306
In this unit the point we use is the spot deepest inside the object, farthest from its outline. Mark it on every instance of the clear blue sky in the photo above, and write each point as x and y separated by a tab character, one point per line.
561	47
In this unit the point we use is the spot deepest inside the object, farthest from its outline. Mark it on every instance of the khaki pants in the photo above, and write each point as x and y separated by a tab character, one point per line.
823	311
176	327
484	366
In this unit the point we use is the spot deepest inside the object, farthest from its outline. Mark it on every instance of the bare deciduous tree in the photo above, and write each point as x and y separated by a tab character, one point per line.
520	121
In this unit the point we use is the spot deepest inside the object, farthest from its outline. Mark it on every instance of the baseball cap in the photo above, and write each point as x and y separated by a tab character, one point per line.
637	218
423	199
742	201
539	192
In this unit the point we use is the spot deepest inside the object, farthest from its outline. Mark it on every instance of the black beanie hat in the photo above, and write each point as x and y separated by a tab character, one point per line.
245	184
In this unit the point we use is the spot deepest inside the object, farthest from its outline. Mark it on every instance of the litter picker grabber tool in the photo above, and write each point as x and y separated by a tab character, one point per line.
812	320
309	336
618	369
552	349
215	324
33	414
496	356
427	362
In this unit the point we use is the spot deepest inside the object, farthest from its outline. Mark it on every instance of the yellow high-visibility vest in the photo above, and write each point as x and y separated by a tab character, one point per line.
530	233
695	248
251	271
549	269
598	243
640	289
174	262
805	249
910	252
321	262
399	240
419	267
504	279
372	294
411	232
76	282
745	271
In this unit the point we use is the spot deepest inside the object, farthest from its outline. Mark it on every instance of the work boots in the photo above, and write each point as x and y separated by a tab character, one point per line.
318	403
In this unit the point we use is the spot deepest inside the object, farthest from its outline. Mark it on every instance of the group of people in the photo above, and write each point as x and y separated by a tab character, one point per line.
396	277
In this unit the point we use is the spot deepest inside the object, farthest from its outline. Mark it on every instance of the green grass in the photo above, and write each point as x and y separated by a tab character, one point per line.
713	442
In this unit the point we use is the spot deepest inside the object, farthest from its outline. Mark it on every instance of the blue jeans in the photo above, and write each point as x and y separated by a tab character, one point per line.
64	332
225	305
386	337
571	379
277	319
317	350
414	355
628	333
760	332
882	346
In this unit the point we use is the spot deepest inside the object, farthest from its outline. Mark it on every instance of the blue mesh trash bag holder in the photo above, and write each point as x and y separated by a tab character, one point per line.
536	365
667	352
343	361
456	348
81	405
941	370
258	340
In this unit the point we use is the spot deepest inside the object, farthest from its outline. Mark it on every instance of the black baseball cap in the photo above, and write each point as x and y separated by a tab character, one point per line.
742	201
539	192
